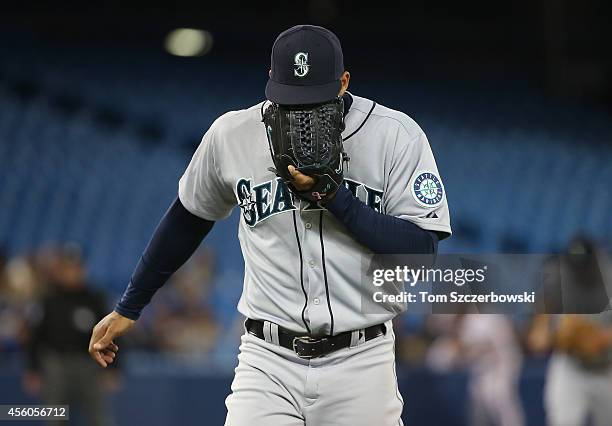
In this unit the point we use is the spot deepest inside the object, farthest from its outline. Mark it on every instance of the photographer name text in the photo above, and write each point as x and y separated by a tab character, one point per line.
452	297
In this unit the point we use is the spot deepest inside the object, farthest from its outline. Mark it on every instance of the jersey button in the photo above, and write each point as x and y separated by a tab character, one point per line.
311	264
308	225
316	301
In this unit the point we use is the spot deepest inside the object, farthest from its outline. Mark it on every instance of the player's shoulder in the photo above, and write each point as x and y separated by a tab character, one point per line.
243	120
383	116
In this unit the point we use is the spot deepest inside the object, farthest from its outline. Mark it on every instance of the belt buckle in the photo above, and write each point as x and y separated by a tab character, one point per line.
306	340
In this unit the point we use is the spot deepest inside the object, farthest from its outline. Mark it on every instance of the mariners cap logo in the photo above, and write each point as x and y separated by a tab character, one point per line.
300	62
427	189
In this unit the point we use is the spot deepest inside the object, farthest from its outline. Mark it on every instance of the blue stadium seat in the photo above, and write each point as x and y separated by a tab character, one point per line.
520	173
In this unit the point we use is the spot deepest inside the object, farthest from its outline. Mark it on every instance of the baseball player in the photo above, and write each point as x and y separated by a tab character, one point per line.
309	355
578	389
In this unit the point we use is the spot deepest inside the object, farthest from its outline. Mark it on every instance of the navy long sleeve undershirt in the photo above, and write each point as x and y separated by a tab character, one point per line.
176	238
380	233
180	232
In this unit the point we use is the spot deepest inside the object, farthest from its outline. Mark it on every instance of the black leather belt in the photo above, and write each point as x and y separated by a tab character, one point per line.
308	347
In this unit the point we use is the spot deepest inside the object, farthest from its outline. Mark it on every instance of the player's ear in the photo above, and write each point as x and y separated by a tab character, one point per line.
344	82
270	73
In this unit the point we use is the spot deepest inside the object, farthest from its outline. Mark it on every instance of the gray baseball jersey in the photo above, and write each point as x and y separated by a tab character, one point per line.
302	268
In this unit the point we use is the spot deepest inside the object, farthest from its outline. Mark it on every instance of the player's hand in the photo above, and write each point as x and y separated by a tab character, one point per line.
301	181
102	347
304	182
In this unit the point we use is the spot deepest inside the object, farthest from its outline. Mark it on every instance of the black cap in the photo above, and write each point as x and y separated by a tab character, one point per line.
306	66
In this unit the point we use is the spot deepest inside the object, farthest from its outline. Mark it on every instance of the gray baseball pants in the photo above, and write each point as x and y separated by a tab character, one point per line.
355	386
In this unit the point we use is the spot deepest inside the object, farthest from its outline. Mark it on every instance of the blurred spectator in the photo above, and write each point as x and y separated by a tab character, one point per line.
579	379
413	338
487	345
19	287
59	366
575	282
181	321
7	318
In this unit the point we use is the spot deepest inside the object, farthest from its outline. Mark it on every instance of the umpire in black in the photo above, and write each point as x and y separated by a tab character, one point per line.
58	367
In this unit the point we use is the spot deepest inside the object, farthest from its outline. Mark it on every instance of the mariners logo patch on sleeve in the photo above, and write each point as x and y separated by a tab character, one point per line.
427	189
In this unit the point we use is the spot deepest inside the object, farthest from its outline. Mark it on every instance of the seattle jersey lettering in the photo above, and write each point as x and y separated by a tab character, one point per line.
261	201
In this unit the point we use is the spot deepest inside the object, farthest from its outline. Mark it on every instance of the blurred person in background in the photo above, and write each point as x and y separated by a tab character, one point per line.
7	317
3	260
19	290
413	338
487	345
183	321
579	378
58	367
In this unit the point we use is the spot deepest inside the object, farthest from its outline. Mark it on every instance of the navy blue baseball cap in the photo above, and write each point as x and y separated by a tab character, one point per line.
306	66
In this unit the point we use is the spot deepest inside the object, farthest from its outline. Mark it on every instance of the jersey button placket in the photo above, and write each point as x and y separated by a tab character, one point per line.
312	253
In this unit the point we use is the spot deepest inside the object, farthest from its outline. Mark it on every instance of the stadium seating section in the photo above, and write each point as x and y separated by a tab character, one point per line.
91	150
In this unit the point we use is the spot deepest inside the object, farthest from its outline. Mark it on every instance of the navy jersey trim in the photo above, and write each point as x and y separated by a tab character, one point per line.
362	123
331	312
297	239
